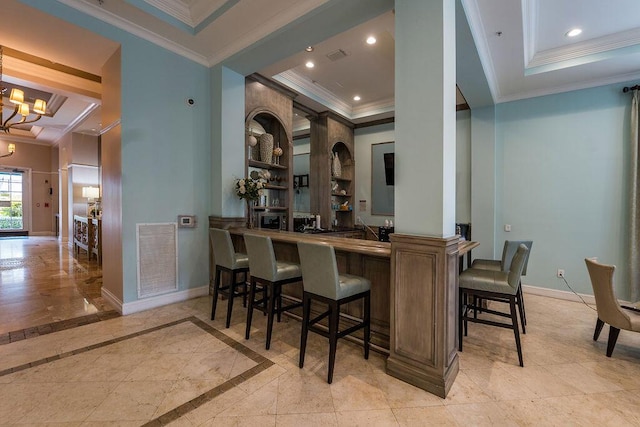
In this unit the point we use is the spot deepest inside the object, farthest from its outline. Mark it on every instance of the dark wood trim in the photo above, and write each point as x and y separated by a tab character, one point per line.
308	111
338	118
302	136
375	122
462	107
272	85
51	65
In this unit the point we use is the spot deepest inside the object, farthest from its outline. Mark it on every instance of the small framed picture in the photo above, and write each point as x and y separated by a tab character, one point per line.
186	221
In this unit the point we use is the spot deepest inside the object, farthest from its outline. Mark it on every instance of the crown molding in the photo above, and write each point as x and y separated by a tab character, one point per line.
135	29
373	108
264	29
314	91
570	87
176	8
529	24
586	48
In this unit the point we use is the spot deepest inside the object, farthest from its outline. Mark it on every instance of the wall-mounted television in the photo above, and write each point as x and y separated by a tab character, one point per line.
388	168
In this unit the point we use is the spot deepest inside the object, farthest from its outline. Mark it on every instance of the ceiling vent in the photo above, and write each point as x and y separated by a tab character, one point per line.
335	55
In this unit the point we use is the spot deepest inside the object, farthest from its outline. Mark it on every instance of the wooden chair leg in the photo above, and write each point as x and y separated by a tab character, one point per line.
460	318
599	325
279	303
367	325
244	290
271	301
306	314
252	296
613	337
216	289
516	329
521	309
333	337
232	292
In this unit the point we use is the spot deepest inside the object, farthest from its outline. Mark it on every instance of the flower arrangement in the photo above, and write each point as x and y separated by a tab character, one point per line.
250	188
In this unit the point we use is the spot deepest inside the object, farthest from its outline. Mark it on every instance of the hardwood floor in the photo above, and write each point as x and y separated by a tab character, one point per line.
42	283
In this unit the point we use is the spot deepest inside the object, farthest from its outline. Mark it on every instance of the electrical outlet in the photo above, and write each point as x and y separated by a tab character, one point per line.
507	227
560	272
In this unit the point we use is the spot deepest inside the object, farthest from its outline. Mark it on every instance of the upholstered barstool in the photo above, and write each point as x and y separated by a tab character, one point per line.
508	251
226	259
323	283
492	285
271	274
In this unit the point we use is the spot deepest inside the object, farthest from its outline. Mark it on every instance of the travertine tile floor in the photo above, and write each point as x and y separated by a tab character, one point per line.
173	365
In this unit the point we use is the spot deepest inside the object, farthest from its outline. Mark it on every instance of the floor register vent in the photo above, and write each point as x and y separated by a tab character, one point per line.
157	258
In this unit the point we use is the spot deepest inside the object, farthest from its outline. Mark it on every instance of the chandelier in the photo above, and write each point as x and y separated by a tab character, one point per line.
21	107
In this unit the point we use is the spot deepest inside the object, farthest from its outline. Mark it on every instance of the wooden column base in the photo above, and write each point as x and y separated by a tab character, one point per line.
424	289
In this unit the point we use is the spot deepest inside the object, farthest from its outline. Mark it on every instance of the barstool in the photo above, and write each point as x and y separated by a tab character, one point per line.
271	275
323	283
233	263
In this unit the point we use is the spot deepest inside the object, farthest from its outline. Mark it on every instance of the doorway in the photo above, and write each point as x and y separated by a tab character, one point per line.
14	190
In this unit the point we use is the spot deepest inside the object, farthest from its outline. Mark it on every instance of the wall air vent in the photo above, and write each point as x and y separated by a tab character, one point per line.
337	54
157	259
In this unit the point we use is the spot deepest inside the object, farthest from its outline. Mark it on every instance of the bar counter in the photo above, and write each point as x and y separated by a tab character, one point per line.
366	258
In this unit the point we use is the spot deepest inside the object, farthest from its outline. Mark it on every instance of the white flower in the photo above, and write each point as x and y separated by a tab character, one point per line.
241	183
242	190
259	185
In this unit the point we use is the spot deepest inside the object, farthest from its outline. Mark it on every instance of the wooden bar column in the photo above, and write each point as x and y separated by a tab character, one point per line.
424	272
424	255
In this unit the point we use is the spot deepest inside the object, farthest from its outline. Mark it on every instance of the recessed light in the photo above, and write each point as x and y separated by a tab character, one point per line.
310	64
356	98
309	49
573	32
371	40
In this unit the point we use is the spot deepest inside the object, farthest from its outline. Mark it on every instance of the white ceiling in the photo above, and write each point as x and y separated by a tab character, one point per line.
521	47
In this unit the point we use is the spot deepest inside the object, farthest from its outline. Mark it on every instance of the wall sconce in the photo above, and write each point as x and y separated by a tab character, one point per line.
91	192
11	148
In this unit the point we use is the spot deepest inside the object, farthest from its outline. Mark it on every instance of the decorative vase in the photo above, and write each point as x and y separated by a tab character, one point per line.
336	167
266	148
250	205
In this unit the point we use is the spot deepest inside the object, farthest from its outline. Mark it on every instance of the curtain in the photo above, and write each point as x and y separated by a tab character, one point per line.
634	201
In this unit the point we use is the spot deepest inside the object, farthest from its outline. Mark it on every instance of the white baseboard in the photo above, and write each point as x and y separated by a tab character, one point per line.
153	302
554	293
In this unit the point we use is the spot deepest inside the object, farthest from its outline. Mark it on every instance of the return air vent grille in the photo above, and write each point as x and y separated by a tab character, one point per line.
337	54
157	258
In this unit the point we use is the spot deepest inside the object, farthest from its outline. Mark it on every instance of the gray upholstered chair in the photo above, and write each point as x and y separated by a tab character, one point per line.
271	275
228	260
500	286
609	310
508	251
324	284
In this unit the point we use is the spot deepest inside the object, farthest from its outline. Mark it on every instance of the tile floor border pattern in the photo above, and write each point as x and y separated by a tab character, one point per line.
262	364
48	328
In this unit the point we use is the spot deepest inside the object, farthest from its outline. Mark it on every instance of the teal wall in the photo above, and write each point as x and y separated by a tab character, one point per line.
166	153
561	179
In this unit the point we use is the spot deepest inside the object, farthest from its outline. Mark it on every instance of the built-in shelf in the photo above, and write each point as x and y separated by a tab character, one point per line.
341	179
343	210
275	187
269	208
264	165
341	195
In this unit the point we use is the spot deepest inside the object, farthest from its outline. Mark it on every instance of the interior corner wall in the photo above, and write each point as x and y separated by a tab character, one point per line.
483	181
227	140
562	182
165	147
111	179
